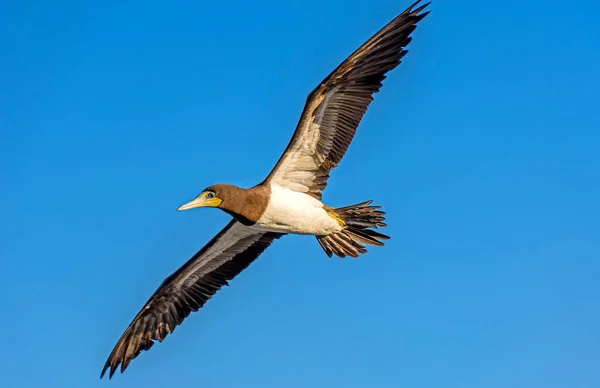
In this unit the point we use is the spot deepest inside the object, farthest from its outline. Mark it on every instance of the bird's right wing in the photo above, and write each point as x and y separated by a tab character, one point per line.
335	108
188	288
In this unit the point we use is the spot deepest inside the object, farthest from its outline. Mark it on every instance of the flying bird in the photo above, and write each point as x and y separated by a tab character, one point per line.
288	200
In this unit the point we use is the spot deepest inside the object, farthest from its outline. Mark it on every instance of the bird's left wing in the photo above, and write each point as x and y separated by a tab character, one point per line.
188	288
335	108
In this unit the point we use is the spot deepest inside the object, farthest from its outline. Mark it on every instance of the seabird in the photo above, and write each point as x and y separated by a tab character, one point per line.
288	200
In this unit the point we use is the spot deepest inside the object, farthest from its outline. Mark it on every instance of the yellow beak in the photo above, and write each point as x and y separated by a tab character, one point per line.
200	201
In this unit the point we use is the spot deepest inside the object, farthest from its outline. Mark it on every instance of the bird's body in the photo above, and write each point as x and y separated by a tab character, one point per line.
288	201
289	211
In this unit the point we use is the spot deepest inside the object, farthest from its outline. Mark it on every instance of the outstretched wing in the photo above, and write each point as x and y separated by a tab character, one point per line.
334	109
188	288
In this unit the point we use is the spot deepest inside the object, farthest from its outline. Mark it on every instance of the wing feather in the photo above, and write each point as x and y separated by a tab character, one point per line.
335	108
188	289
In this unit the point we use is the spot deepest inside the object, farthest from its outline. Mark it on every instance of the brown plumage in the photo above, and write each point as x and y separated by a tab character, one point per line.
245	205
326	127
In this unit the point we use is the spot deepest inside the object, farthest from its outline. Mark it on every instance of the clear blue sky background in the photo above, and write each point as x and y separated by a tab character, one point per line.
483	147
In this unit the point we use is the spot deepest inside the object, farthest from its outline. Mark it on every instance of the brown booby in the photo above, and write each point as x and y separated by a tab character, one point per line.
288	200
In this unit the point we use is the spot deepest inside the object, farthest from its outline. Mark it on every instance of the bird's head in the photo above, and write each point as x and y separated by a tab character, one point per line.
213	196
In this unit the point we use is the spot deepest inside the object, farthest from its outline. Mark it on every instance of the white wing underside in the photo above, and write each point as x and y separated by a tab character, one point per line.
299	168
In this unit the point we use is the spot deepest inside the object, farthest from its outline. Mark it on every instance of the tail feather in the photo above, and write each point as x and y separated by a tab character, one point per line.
359	221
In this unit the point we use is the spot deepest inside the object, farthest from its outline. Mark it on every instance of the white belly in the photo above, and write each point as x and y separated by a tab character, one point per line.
290	211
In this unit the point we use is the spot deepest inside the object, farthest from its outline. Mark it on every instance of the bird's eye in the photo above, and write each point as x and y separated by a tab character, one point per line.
210	195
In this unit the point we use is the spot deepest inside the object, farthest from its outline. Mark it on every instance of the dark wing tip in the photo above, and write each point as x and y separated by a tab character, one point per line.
113	368
416	13
413	5
109	364
119	356
104	370
138	337
113	362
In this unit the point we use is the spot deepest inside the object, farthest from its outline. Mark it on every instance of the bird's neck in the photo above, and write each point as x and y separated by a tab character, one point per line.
246	205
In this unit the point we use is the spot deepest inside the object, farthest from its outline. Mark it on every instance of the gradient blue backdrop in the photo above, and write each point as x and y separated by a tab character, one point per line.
483	147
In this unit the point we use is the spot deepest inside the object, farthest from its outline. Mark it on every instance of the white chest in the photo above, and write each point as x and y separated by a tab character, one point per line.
294	212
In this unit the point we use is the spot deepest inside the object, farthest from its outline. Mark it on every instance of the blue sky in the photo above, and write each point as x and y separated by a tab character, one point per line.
482	147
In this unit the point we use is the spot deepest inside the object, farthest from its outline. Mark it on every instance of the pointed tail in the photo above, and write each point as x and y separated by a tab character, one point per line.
359	221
